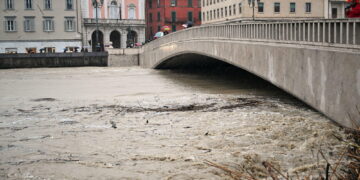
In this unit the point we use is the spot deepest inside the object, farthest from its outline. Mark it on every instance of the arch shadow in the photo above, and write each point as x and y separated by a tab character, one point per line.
94	40
115	39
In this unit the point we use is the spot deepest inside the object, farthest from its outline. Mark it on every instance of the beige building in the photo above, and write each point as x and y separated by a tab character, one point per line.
31	25
219	11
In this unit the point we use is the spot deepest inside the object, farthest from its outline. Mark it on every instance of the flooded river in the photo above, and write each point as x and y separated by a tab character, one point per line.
134	123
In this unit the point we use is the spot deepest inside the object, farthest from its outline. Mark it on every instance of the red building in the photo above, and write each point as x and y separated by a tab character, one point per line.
173	13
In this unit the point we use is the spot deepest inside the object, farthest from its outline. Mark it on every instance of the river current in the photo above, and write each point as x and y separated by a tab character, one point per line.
134	123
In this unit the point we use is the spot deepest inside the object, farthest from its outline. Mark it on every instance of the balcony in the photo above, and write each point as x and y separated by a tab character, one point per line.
92	21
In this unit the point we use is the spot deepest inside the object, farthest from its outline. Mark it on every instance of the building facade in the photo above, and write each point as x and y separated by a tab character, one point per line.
33	25
121	23
172	13
219	11
336	8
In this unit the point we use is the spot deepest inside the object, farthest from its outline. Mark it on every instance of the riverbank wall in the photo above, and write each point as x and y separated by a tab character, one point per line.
8	61
123	57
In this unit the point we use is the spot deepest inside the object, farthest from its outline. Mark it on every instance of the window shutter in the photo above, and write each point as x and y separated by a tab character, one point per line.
5	25
65	27
32	25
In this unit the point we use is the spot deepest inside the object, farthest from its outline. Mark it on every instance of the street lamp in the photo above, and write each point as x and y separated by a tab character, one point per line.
97	4
252	3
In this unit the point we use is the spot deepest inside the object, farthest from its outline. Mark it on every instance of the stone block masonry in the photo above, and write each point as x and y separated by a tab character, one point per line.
123	57
53	60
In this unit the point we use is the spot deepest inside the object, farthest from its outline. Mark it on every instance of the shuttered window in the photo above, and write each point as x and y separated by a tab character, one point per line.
9	4
48	24
29	24
10	24
48	4
28	4
69	24
69	4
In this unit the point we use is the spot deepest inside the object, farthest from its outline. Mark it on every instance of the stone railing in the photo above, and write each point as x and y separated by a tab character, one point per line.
115	21
340	33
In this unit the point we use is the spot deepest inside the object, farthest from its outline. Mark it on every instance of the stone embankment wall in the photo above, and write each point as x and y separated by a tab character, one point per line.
53	60
123	57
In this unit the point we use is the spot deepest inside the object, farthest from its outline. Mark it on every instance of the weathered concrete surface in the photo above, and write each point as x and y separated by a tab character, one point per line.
123	57
53	60
326	79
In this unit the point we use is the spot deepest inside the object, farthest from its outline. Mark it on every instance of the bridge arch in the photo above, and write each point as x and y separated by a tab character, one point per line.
322	74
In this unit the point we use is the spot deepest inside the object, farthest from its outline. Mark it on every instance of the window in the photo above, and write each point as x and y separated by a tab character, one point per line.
28	4
48	24
199	3
190	3
31	50
277	7
158	17
234	8
173	16
229	10
150	17
131	11
158	3
29	24
159	28
69	4
292	7
218	13
173	3
308	7
225	11
222	12
97	12
173	27
260	7
207	16
240	10
69	24
114	10
10	50
211	15
334	13
150	3
203	17
48	4
10	24
9	4
214	11
49	49
199	16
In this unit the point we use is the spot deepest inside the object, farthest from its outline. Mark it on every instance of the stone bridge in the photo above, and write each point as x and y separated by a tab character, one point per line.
317	61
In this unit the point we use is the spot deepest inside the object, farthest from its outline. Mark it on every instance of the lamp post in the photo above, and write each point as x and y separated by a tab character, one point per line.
97	4
252	4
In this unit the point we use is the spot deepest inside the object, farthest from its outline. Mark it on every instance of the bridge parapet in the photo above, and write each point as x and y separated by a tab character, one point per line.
339	33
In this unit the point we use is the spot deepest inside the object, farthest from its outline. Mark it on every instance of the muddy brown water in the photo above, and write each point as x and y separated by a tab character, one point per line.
134	123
